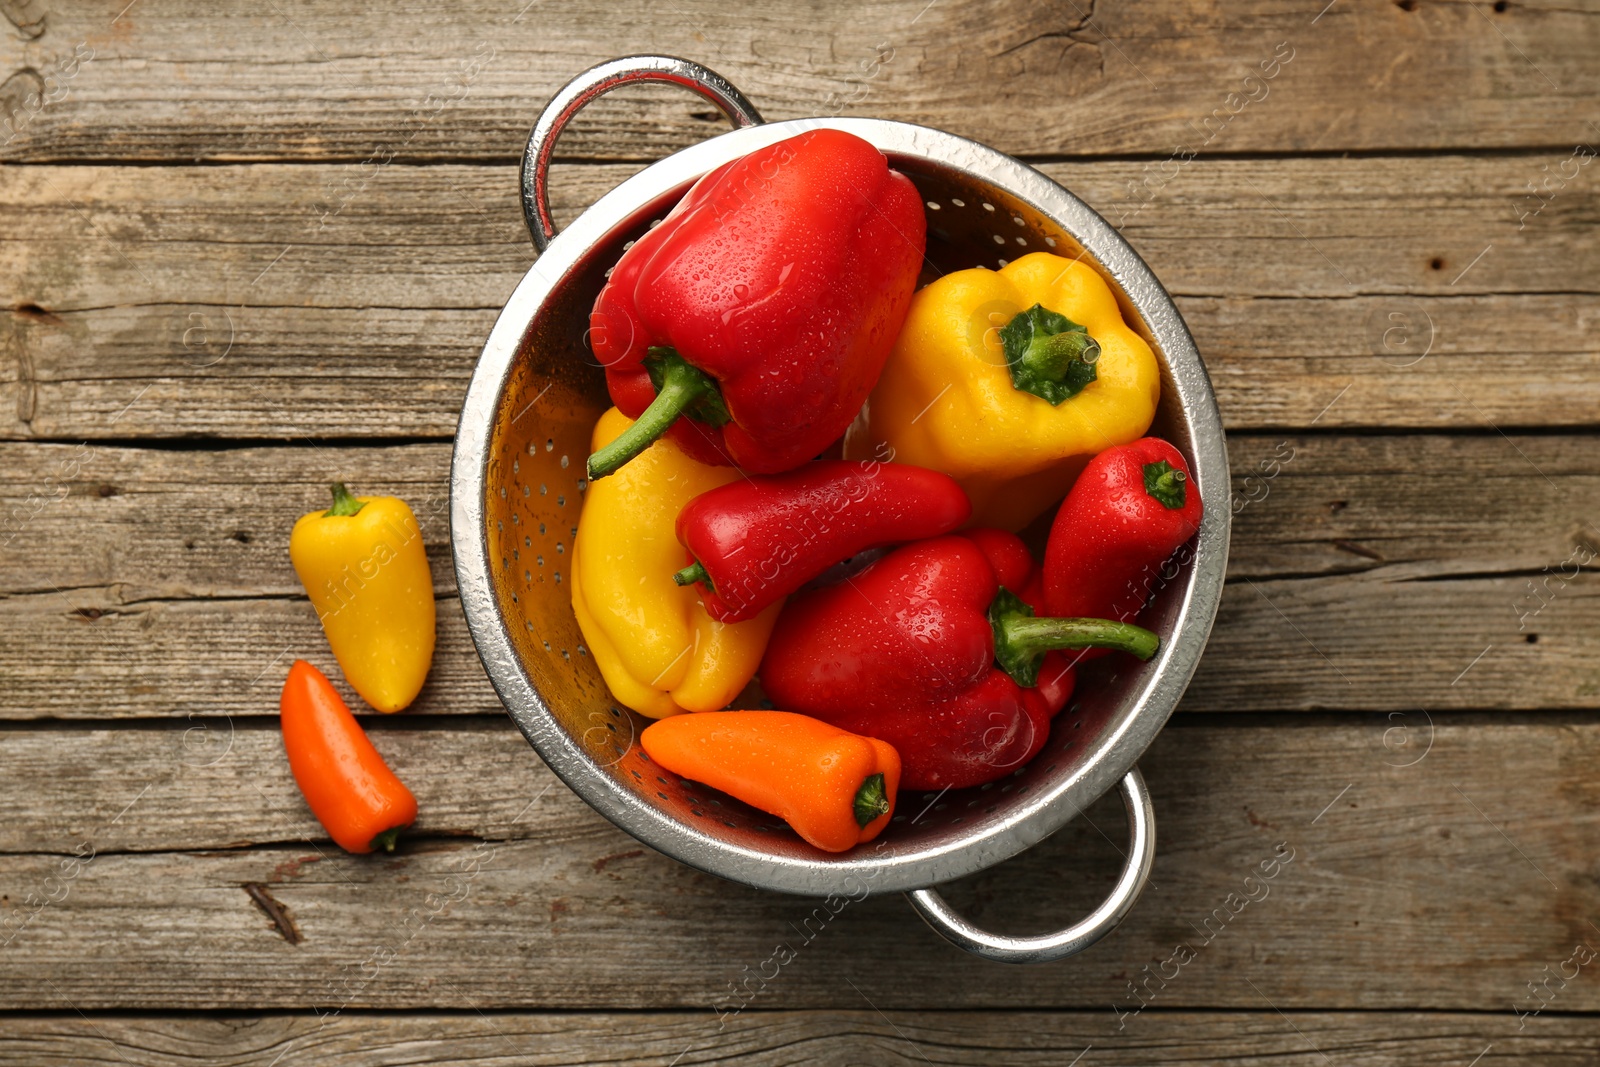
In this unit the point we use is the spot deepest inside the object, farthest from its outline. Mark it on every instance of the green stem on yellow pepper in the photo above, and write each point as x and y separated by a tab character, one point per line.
344	504
1048	354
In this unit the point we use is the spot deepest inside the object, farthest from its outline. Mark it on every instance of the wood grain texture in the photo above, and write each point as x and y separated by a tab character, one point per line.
217	301
1345	548
1447	863
171	525
791	1039
175	80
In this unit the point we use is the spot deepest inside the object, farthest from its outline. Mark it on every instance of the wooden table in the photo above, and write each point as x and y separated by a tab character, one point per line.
252	247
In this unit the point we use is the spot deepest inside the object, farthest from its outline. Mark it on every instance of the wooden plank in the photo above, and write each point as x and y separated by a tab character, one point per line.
1321	643
1354	547
154	523
768	1039
214	301
178	80
1394	849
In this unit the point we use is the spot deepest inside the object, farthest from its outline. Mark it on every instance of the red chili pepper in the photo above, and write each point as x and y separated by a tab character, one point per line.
763	307
1129	510
754	541
925	650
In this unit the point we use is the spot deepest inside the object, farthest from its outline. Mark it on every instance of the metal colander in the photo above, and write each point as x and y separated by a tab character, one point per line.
517	487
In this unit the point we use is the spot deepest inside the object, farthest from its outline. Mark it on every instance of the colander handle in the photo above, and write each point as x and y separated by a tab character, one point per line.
1074	939
596	82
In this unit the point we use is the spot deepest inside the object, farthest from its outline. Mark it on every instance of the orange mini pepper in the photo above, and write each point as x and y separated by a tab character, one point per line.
352	792
835	788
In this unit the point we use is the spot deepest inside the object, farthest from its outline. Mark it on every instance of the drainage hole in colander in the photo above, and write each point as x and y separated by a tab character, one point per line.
933	205
1018	220
958	203
988	207
999	240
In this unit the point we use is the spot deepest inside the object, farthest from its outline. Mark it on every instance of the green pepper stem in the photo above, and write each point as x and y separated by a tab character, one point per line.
387	839
1020	640
1034	636
1050	356
694	572
1165	484
344	504
871	801
682	386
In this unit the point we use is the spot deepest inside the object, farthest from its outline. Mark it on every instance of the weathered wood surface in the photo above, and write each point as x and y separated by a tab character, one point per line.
790	1039
163	524
1446	864
214	301
174	80
1345	549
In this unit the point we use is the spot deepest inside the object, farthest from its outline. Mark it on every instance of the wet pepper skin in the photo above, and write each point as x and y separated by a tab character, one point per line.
1129	510
905	652
657	649
755	540
784	276
948	399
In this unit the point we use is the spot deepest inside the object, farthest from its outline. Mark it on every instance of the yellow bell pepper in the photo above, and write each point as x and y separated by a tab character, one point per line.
656	647
995	382
363	565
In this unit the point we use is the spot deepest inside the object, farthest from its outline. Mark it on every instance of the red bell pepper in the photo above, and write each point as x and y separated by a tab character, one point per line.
754	541
1129	510
763	307
907	651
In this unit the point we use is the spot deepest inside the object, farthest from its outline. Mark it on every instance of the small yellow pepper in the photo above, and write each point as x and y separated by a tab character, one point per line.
1009	381
363	565
656	647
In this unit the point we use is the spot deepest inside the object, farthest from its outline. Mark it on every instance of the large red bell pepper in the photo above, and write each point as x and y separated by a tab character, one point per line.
1129	510
907	651
754	541
763	307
